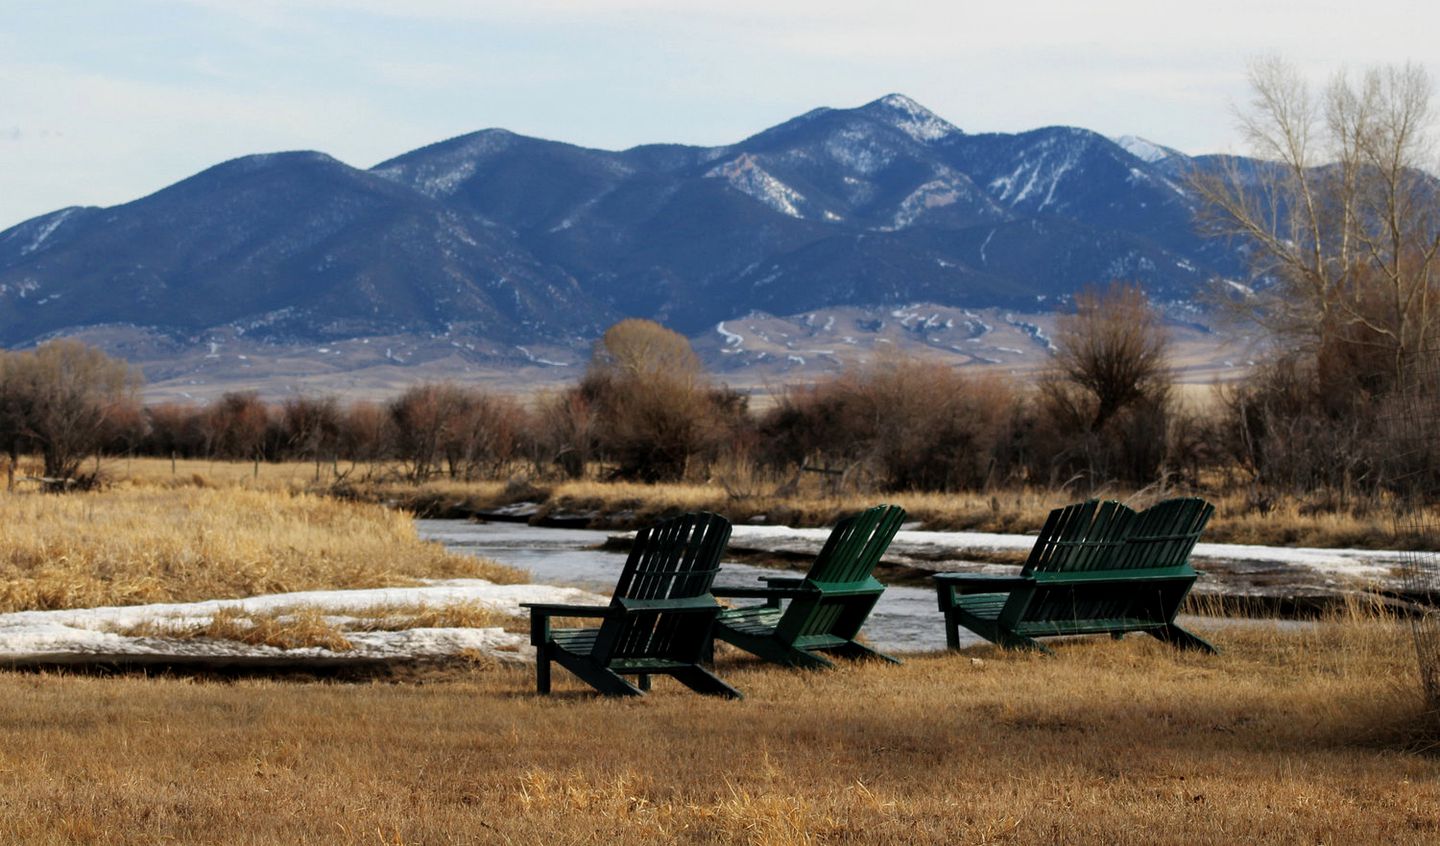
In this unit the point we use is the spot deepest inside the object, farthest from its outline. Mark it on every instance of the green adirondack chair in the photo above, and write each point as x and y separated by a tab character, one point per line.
826	608
659	621
1097	567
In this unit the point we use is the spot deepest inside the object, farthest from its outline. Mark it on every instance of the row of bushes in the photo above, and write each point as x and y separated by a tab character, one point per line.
646	411
897	425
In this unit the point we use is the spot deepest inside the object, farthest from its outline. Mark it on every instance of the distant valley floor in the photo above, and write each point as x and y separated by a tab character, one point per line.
756	353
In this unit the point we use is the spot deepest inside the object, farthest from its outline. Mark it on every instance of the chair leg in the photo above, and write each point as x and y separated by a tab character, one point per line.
542	670
596	675
701	680
860	650
772	650
1182	639
952	633
644	682
1011	640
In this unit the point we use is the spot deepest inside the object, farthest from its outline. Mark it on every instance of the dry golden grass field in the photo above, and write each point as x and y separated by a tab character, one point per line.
1307	733
1305	736
140	544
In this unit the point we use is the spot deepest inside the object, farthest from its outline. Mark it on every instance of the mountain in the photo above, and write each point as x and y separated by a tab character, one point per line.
500	242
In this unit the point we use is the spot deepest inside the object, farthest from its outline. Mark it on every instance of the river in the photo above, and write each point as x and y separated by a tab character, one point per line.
905	620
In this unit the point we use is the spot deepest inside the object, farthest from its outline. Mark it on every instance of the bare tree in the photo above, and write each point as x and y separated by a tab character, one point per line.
643	349
1104	411
425	421
910	424
564	431
237	426
65	398
1113	348
312	427
366	433
1340	217
654	409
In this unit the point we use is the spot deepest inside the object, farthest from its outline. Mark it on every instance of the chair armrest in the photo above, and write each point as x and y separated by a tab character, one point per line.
546	609
963	583
771	595
783	581
541	612
703	602
759	592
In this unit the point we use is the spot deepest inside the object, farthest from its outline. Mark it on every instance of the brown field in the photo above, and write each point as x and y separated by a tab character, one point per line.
1308	733
141	544
1312	735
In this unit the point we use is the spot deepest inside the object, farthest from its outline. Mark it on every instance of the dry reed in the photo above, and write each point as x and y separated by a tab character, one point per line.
739	493
139	545
301	626
292	628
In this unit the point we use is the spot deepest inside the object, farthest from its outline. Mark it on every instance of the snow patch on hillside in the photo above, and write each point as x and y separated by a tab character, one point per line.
733	341
857	148
745	175
1145	151
45	230
934	194
1036	175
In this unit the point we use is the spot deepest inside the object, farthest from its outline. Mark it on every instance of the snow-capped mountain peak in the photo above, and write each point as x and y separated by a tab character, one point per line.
1146	151
910	117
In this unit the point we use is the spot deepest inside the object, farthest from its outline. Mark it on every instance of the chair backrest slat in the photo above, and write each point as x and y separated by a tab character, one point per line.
1164	535
1083	536
1097	538
674	559
842	583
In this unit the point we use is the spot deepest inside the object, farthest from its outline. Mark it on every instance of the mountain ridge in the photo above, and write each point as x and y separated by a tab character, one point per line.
503	241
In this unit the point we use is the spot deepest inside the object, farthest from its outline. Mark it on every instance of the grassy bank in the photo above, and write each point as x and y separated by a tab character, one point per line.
628	505
1284	522
1297	736
138	544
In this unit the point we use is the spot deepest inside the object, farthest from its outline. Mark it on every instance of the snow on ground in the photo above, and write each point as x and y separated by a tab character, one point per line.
1355	563
35	635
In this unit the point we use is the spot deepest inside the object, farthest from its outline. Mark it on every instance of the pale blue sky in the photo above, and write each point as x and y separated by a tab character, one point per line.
102	102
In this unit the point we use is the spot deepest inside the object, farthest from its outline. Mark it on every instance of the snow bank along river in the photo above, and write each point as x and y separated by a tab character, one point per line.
568	566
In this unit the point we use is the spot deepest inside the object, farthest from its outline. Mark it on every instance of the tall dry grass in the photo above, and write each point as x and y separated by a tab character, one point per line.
740	493
1018	509
133	545
304	626
1300	735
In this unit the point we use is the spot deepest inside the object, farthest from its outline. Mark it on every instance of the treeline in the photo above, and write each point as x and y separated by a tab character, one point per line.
646	410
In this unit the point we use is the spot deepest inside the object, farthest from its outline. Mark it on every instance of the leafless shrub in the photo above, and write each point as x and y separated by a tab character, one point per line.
563	434
66	400
1104	412
311	427
237	426
655	411
916	425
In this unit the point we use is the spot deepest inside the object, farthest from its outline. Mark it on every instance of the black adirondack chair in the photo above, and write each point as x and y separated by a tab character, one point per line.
1097	567
826	608
659	621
